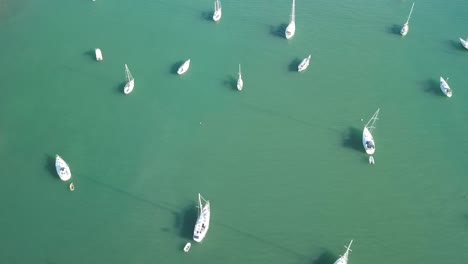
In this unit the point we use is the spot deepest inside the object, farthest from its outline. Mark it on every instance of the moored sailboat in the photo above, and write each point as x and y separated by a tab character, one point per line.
203	221
304	64
291	28
130	81
367	138
464	43
240	82
445	87
344	259
217	11
184	67
62	168
404	30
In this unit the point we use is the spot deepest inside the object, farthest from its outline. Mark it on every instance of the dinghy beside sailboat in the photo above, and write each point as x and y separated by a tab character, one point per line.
367	138
404	30
291	28
130	81
203	221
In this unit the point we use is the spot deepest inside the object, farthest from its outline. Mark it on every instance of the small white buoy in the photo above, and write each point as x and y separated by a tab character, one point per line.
362	119
371	160
187	247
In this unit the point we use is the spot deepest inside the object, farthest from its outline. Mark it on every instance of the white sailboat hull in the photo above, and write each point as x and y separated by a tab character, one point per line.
464	43
404	30
445	87
129	86
203	222
240	83
217	11
62	168
98	54
290	30
368	141
304	64
341	260
184	68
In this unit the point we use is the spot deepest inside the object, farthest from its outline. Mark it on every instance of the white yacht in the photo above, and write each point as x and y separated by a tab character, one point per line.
304	64
130	81
184	67
445	87
98	54
203	221
240	82
63	170
464	43
291	28
367	138
344	259
404	30
187	247
217	11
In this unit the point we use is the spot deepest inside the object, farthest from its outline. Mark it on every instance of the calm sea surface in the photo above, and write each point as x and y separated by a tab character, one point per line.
281	162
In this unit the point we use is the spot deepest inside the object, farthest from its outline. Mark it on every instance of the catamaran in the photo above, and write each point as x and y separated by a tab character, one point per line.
240	82
63	170
367	138
130	81
291	28
203	221
445	87
304	64
98	54
217	11
464	43
404	30
344	259
184	67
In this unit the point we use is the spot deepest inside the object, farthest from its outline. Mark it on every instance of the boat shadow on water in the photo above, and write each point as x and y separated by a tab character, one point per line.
90	54
120	87
326	257
456	45
230	82
278	30
207	15
294	64
175	67
432	86
352	139
394	29
185	221
50	166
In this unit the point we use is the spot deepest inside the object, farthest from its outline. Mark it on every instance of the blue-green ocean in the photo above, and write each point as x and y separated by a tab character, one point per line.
281	162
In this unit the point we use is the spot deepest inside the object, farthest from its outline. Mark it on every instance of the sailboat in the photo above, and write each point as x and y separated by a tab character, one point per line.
445	87
404	30
367	138
240	82
184	67
344	259
203	221
63	170
130	81
291	28
304	64
464	43
217	11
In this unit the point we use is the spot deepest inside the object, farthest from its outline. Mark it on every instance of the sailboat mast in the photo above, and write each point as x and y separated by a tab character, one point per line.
293	12
240	70
409	16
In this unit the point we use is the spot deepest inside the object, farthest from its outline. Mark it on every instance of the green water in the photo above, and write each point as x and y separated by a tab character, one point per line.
281	162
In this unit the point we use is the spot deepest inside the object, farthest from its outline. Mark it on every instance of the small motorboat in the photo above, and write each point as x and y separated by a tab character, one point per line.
445	87
184	67
304	64
371	160
63	170
187	247
98	54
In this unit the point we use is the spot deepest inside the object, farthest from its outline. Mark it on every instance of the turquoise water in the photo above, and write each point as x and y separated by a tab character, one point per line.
281	162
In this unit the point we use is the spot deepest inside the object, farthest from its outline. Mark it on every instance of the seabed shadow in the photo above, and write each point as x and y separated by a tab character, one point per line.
293	65
278	30
352	139
175	67
432	86
230	82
